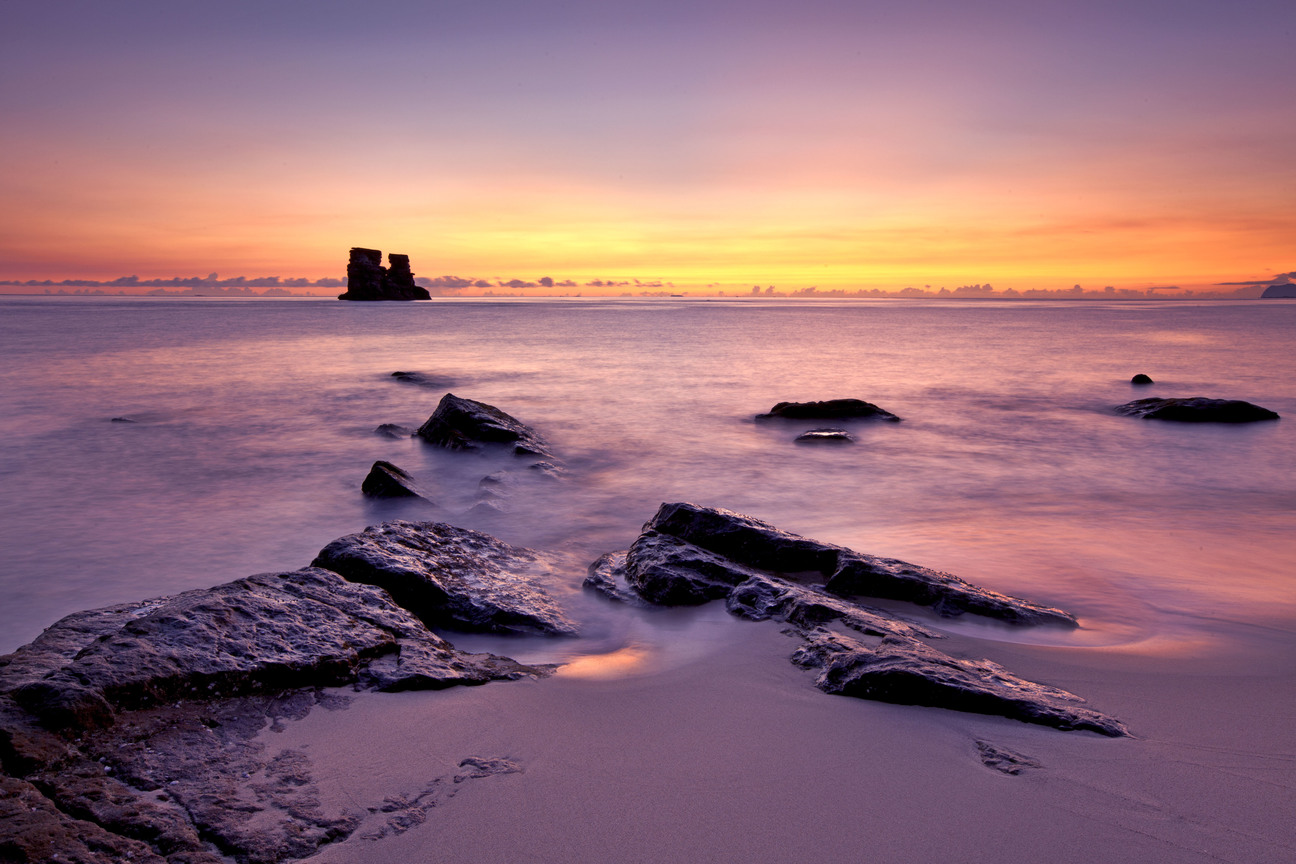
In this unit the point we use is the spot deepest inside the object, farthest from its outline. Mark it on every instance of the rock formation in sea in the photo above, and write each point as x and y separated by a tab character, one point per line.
367	279
386	480
131	733
1280	290
688	555
1140	378
463	424
1196	409
832	409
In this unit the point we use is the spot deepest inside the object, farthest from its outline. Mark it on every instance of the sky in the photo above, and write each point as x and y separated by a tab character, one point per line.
817	143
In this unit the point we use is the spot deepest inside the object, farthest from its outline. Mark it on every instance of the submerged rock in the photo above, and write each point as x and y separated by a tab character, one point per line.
462	424
1196	409
394	430
832	409
689	554
825	436
1141	379
909	672
386	480
452	577
422	379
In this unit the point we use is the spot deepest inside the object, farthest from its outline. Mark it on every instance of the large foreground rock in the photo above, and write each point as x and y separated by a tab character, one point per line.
452	577
831	409
463	424
269	632
1196	409
689	554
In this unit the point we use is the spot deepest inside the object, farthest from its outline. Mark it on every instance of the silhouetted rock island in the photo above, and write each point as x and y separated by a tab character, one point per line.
831	409
1280	290
1196	409
689	555
367	279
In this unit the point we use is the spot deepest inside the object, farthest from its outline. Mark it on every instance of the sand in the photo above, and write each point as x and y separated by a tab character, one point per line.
727	753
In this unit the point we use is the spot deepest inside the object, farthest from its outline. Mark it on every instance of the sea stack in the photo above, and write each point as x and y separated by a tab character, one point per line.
367	279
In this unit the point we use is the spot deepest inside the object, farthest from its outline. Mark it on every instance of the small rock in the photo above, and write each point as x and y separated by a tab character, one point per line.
832	409
422	379
462	424
386	480
1004	760
394	430
1196	409
1141	379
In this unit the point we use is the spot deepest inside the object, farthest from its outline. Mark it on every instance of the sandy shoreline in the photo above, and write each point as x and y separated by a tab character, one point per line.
733	755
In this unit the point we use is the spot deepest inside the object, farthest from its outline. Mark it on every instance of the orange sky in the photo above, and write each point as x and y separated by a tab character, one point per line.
1026	145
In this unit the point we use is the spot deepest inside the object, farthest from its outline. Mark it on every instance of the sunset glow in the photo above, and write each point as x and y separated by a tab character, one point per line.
833	144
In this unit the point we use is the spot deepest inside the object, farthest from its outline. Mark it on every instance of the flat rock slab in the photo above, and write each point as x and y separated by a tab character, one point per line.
1196	409
452	577
831	409
269	632
689	554
462	424
909	672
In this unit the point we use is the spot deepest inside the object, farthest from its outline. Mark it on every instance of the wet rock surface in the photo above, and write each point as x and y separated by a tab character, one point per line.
825	436
463	424
1196	409
689	554
452	577
135	732
386	480
831	409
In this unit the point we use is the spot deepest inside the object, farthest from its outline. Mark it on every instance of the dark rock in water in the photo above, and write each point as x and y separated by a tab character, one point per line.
367	279
123	420
269	632
462	424
1196	409
688	555
832	409
1141	379
394	430
451	577
1280	290
825	436
1003	760
751	543
908	672
422	379
386	480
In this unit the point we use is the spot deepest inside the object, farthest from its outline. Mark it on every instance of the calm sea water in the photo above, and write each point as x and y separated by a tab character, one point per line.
253	427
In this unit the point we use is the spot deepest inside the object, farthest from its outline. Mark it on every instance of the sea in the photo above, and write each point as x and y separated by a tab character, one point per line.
156	445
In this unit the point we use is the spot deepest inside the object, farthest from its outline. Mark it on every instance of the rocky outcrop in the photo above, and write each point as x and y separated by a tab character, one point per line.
1285	290
1141	379
825	436
832	409
367	279
463	424
452	577
133	732
908	672
386	480
1196	409
688	555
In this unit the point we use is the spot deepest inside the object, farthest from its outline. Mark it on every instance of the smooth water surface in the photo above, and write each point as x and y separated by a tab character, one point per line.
246	426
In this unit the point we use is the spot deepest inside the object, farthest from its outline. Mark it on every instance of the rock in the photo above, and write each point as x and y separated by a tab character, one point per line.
908	672
1003	760
672	572
386	480
422	379
825	436
451	577
1196	409
269	632
367	279
833	409
751	543
1141	379
462	424
394	430
1280	290
761	598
